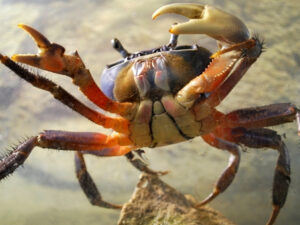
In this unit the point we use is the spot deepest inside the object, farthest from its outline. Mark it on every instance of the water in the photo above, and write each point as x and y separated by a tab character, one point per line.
45	190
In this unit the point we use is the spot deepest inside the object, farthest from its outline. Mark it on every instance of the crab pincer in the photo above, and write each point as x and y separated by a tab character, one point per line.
52	57
207	20
49	56
232	37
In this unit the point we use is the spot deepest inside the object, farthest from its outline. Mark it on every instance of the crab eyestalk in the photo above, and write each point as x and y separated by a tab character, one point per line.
208	20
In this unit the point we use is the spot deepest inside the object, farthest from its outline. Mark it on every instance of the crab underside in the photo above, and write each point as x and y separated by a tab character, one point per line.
162	96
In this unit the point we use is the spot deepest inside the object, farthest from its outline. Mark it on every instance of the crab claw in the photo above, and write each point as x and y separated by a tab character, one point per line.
49	57
208	20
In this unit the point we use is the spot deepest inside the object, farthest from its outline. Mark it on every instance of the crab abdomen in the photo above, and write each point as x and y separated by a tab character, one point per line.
165	122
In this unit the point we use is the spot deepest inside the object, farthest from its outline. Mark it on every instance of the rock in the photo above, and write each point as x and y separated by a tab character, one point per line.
155	202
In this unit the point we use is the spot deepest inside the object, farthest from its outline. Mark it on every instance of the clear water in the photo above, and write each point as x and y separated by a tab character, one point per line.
45	191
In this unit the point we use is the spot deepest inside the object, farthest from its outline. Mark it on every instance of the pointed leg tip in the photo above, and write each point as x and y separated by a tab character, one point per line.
21	25
20	58
117	207
274	215
31	60
208	199
203	203
25	27
157	13
40	39
154	16
14	57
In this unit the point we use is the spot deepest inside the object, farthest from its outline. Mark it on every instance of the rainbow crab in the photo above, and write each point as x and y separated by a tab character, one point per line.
162	96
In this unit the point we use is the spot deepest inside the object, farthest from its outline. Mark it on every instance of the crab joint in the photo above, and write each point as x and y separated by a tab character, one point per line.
207	20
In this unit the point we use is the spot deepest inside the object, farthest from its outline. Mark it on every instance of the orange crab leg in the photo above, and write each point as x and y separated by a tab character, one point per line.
117	124
113	145
52	57
94	94
82	141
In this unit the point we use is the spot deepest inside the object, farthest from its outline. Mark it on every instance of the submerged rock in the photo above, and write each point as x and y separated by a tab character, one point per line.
155	203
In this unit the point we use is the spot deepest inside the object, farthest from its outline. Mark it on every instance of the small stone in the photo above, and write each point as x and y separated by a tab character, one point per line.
158	203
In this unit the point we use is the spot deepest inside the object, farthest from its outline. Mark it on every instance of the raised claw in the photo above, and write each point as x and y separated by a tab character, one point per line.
41	41
49	56
208	20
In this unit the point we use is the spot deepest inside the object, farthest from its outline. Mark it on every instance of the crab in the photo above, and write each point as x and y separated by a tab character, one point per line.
161	96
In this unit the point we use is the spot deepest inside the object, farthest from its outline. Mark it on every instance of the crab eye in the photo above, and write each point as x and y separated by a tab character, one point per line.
119	47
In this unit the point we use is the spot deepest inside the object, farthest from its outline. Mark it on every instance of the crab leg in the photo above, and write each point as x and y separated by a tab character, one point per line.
255	117
261	138
113	145
141	165
109	145
263	116
245	127
255	138
229	173
117	124
137	162
87	184
52	57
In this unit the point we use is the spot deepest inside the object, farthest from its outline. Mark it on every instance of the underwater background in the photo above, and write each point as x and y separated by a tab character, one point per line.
45	191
